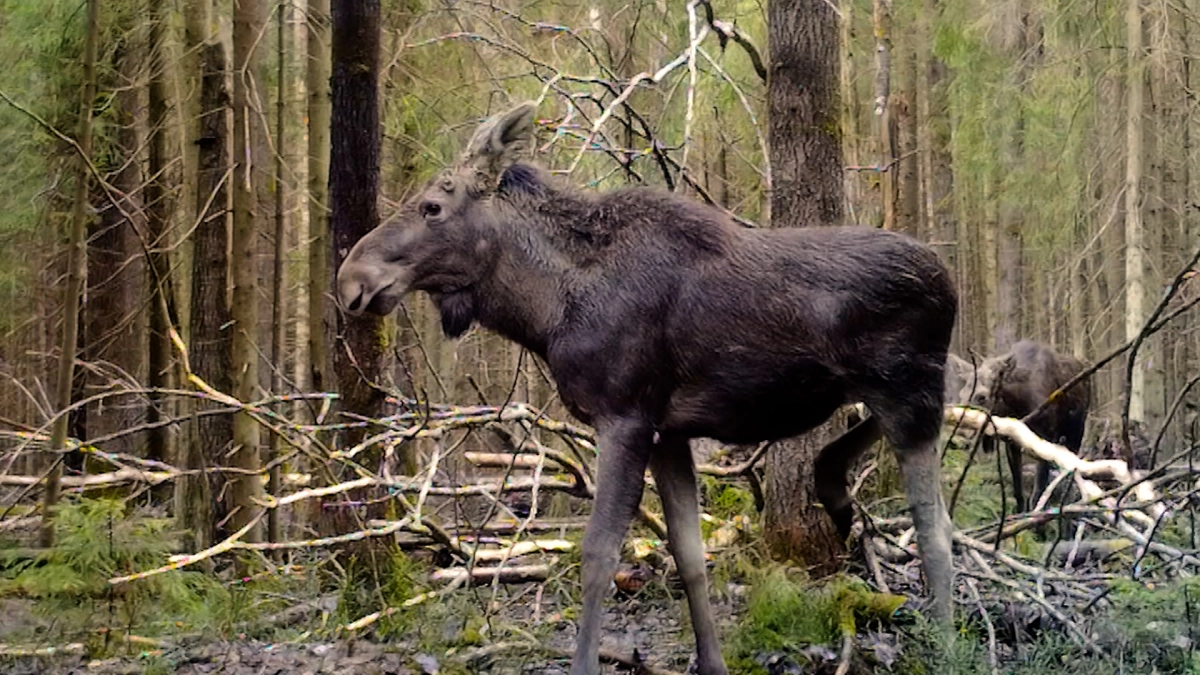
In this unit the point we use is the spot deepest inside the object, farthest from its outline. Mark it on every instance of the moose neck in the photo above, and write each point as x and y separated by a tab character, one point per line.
523	295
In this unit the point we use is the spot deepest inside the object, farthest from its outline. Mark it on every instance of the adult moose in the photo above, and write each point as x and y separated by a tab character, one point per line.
663	320
1014	384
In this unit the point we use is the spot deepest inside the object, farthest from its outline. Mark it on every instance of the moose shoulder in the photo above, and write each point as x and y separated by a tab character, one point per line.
663	320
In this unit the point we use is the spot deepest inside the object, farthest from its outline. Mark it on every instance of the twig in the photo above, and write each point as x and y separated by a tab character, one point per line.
987	623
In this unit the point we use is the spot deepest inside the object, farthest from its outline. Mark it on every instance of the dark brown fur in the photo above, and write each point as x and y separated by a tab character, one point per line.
1014	384
663	320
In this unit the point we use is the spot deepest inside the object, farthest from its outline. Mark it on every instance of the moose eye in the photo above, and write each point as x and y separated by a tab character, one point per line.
430	209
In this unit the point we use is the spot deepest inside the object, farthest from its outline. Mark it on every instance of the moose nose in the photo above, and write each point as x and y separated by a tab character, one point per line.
355	305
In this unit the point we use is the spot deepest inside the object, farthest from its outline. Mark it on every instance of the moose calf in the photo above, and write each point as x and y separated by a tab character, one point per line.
1014	384
663	320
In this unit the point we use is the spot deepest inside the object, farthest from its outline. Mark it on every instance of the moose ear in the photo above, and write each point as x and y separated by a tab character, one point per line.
499	141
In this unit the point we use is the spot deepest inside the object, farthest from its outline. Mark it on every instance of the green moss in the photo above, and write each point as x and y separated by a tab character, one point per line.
786	613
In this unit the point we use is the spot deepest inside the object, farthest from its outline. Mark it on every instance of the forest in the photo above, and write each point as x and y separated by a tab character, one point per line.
213	460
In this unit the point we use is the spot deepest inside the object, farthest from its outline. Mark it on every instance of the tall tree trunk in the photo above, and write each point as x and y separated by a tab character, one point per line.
115	278
907	167
885	123
1010	282
158	219
249	22
211	347
279	280
1135	271
76	272
360	348
852	181
807	190
319	270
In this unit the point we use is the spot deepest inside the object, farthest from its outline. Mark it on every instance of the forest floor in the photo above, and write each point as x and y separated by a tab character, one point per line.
650	625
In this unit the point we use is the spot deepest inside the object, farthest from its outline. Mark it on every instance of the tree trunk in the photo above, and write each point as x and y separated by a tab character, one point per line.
158	218
360	348
112	309
907	167
807	190
1135	290
249	22
885	123
279	278
211	345
320	273
76	272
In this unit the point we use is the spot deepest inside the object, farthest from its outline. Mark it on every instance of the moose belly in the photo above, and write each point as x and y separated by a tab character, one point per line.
741	411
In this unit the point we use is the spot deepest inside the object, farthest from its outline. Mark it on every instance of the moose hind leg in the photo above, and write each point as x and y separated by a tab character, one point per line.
624	446
675	476
833	462
912	430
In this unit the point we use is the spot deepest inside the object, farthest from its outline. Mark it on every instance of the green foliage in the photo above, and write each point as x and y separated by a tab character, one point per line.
722	499
785	614
98	540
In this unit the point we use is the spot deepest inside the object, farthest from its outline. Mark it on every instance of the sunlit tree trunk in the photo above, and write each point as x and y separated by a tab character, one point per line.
76	272
1134	236
885	124
807	190
320	273
249	22
852	180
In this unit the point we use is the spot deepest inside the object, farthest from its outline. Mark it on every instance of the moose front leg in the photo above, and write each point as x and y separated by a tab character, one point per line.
624	447
675	476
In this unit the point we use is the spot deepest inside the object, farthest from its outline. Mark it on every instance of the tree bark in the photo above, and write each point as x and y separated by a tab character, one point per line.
249	22
158	218
211	344
360	348
76	272
279	279
112	310
807	190
1135	291
319	270
885	123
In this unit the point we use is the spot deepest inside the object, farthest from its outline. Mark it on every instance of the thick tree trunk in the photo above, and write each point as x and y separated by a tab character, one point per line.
360	347
76	272
807	190
211	345
112	311
249	22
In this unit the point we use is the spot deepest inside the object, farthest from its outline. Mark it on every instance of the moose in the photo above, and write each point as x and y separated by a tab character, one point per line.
1014	384
662	319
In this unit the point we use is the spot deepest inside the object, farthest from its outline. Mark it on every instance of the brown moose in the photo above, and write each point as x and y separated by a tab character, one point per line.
663	320
1014	384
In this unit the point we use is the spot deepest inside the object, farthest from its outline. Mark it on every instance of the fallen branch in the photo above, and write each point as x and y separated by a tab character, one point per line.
485	575
411	602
